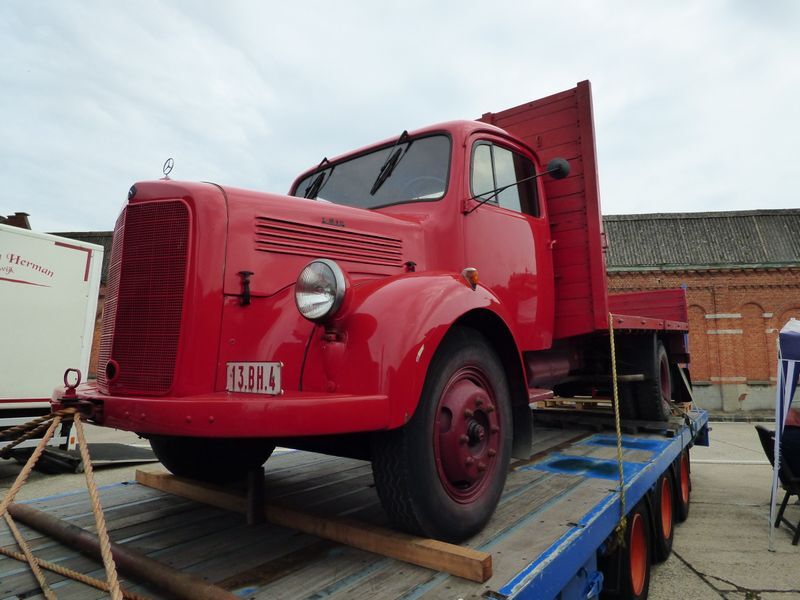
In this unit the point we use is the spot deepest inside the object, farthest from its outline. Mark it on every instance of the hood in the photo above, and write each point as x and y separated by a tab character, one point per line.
275	236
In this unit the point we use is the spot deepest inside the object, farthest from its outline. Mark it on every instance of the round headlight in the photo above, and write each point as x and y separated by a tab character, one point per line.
320	289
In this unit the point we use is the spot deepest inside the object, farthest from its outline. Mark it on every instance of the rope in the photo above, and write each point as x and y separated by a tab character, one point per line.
6	451
31	429
26	470
12	431
65	572
623	520
23	545
102	532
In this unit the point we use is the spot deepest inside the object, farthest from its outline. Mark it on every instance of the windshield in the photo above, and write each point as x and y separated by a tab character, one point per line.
419	172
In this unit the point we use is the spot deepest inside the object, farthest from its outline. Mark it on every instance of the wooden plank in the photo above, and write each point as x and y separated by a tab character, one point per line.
390	580
464	562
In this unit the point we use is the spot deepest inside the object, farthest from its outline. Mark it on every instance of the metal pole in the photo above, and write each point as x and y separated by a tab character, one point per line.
133	563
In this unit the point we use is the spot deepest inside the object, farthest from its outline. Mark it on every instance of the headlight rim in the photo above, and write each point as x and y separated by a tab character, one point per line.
339	295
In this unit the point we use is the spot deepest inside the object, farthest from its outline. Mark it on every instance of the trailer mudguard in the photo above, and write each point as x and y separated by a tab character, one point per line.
386	335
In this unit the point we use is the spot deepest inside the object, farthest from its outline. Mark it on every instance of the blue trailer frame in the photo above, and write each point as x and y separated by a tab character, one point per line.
568	569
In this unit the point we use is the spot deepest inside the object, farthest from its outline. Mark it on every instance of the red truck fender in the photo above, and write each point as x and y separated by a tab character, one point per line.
389	330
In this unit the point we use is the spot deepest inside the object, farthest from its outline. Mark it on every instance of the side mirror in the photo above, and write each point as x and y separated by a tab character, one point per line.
558	168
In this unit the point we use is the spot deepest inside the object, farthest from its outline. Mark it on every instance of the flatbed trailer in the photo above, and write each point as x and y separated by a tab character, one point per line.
557	512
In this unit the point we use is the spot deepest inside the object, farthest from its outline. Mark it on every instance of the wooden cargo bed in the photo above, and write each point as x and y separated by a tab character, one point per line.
548	504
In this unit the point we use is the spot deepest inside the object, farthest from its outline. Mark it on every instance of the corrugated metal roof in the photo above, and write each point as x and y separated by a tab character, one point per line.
758	238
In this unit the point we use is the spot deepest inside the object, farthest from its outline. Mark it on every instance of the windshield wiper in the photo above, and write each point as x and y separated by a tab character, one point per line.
316	185
390	163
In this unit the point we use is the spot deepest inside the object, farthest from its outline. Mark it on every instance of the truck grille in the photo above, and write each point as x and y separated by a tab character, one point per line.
144	298
289	237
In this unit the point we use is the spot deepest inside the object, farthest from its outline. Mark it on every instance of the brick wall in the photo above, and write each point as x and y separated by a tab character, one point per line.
734	319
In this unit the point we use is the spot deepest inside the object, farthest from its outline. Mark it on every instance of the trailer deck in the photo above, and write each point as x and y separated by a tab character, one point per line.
556	511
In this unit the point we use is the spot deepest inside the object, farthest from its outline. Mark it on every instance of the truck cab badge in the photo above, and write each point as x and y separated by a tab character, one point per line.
169	164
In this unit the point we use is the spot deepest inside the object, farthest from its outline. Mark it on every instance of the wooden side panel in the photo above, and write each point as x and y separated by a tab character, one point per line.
562	125
658	304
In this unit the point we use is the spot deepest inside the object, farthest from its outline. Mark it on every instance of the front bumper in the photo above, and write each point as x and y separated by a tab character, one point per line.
224	414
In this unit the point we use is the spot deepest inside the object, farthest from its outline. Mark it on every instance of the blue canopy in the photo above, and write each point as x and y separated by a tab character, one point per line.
788	371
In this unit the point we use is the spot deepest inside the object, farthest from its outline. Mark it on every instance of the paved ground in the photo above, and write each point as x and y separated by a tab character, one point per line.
721	551
40	484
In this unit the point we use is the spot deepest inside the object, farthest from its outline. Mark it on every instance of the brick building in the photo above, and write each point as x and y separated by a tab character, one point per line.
742	275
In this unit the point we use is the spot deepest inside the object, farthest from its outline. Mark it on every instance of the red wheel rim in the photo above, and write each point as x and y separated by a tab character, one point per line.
685	478
466	434
638	554
666	508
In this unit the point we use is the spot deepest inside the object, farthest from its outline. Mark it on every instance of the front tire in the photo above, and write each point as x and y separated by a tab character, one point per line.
214	460
443	473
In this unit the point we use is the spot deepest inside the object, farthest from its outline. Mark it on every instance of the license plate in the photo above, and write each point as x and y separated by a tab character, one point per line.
254	377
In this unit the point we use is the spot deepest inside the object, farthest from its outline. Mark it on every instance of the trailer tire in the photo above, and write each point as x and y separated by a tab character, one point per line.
215	460
654	394
442	474
632	559
663	517
683	489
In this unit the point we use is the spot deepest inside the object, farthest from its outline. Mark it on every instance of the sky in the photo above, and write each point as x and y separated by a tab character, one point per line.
697	104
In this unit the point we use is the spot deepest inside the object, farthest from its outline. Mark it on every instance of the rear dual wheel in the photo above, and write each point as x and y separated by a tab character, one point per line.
442	474
653	396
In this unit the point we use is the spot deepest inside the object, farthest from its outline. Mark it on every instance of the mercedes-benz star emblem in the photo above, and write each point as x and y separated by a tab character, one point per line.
168	165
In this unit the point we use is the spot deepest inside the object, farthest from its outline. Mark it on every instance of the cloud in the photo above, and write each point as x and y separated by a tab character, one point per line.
694	102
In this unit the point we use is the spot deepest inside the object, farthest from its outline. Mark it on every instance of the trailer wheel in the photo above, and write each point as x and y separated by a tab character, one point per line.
215	460
654	394
442	474
684	488
632	560
664	514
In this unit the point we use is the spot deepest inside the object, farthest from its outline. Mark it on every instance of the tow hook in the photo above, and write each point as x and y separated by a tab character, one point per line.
69	393
70	399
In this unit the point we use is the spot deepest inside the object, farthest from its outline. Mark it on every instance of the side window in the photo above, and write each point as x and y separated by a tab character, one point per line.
495	167
505	174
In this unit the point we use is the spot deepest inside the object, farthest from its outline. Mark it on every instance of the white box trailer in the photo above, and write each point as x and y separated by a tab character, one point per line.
48	301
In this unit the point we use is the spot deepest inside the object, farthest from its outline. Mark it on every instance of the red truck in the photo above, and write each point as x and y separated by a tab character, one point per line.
404	303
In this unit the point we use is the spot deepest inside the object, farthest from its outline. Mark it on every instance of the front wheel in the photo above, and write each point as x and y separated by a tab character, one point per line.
215	460
442	474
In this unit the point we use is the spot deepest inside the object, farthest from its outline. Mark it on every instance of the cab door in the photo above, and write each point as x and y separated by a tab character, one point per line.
508	239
